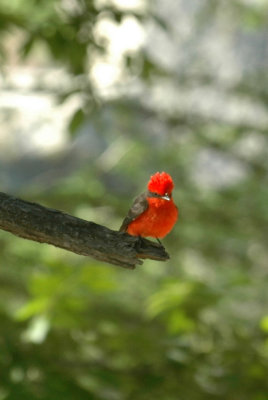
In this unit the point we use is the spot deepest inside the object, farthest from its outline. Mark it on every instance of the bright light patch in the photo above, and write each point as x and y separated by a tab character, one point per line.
105	74
37	330
121	39
125	37
132	5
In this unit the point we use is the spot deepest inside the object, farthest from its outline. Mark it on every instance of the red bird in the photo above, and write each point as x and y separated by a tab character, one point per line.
153	213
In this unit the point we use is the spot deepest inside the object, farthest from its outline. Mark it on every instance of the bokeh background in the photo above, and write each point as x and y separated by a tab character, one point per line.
95	96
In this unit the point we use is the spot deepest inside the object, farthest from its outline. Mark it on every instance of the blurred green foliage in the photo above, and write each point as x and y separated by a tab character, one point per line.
193	328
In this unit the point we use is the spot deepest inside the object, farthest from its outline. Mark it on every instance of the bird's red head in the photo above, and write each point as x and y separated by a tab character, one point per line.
161	183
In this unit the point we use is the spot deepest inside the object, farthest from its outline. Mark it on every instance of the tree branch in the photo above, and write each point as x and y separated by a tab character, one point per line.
45	225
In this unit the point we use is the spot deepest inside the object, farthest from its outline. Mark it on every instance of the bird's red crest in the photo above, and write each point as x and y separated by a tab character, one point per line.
161	183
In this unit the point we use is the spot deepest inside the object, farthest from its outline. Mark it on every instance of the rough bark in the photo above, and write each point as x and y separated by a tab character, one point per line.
45	225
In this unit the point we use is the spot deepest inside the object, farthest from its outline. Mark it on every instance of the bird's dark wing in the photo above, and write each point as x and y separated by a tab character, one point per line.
139	205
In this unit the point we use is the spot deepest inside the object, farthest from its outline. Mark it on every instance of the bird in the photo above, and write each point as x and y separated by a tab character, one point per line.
153	213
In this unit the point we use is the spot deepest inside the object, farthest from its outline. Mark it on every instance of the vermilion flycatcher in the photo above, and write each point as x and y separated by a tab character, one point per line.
153	213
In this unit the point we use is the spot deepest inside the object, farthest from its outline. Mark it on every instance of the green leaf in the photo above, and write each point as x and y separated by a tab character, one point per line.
264	323
170	296
76	121
34	307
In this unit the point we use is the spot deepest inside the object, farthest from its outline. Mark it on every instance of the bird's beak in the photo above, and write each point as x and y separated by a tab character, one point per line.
166	197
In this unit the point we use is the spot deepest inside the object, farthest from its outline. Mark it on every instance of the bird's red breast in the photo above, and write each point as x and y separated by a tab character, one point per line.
157	221
153	213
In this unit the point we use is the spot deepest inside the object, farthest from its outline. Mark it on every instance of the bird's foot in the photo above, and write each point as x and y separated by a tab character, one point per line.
159	242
